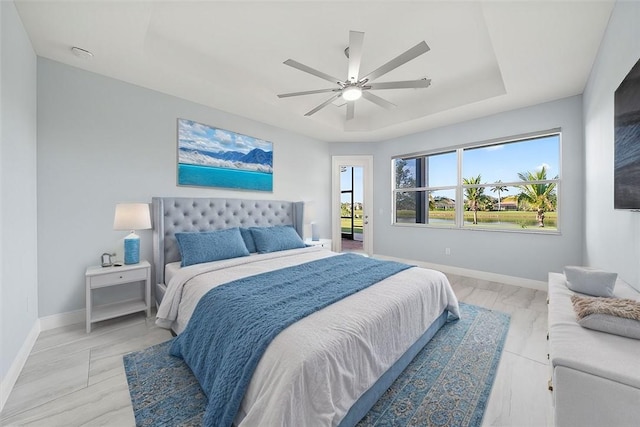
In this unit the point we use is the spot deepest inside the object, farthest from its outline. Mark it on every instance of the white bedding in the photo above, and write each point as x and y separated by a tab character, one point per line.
171	270
317	368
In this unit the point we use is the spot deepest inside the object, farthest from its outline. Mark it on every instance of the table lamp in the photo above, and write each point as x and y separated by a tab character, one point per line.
309	218
132	216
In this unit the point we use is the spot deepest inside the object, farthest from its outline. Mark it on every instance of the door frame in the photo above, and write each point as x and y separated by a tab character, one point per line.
366	163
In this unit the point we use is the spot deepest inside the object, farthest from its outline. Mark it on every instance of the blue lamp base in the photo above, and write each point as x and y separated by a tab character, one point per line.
132	249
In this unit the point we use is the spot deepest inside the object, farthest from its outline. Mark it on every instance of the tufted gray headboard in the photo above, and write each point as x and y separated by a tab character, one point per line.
175	214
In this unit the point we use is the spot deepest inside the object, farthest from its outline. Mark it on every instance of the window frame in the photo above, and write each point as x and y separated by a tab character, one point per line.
459	188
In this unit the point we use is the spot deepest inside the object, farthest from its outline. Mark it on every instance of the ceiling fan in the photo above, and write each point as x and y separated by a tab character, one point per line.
355	86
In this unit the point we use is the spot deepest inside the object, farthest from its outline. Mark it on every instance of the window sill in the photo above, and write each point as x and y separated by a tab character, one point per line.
528	230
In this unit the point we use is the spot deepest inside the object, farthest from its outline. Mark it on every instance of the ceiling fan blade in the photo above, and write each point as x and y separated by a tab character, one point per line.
407	84
356	39
412	53
378	101
351	107
324	104
306	69
308	92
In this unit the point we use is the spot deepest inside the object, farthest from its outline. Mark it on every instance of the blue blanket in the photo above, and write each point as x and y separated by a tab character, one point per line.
233	324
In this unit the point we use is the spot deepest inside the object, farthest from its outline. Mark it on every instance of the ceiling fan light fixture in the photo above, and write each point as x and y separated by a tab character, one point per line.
351	93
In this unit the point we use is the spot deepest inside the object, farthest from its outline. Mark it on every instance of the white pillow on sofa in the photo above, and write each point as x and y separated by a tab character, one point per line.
590	281
618	316
612	325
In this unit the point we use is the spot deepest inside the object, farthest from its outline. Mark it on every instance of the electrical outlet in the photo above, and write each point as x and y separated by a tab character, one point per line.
447	251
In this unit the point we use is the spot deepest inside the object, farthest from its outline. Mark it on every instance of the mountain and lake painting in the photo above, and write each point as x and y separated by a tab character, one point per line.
212	157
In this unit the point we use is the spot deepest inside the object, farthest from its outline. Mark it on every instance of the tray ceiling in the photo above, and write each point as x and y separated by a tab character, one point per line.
485	57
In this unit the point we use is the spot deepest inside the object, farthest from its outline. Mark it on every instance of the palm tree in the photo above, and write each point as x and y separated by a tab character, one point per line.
345	209
474	196
499	188
432	202
539	196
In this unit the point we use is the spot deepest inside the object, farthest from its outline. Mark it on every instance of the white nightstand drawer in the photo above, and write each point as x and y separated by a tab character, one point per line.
110	279
97	277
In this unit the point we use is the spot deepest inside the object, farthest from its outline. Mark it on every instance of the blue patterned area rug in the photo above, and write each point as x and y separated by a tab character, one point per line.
447	384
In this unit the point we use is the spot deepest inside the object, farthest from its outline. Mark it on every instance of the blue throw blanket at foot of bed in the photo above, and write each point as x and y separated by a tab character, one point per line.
233	324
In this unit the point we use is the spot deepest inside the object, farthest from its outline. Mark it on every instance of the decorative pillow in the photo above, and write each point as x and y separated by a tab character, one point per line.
248	240
616	316
590	281
206	246
279	238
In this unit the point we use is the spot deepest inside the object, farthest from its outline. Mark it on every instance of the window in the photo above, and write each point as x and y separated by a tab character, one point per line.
506	185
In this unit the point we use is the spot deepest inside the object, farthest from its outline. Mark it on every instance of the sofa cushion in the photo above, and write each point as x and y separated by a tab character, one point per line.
590	281
617	316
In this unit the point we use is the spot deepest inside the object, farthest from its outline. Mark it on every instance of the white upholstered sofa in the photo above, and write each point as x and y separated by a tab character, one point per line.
595	375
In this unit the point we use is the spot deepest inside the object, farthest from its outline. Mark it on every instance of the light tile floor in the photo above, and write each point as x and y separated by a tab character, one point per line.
76	379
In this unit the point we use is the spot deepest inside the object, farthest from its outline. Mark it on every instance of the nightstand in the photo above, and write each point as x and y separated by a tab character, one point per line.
97	277
325	243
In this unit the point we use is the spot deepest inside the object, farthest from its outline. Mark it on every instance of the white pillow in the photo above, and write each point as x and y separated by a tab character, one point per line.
616	316
590	281
612	325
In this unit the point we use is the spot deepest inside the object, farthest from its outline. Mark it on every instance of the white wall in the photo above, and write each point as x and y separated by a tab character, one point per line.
526	255
103	141
18	274
612	236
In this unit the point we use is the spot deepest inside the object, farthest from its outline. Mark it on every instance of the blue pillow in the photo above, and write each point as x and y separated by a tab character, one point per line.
279	238
248	240
206	246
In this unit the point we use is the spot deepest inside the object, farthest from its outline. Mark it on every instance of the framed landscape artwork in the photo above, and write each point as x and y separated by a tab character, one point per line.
212	157
627	142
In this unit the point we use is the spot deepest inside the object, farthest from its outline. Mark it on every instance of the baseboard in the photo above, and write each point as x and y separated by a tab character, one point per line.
482	275
41	324
18	363
62	319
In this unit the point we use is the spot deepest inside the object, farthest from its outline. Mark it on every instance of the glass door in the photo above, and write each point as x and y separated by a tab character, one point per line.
351	208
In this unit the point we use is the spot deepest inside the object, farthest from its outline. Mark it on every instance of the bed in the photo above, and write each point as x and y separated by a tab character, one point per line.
329	367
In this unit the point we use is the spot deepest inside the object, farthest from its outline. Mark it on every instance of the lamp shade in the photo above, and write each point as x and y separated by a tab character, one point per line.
132	216
309	218
309	213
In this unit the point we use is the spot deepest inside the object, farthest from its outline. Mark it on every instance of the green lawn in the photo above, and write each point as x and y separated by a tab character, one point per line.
498	219
357	224
486	219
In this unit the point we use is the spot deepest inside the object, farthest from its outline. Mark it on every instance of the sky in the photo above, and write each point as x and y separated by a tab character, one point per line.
497	163
201	137
345	182
494	163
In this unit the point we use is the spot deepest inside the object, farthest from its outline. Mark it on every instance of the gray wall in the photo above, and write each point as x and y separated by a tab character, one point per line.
612	236
103	141
18	274
525	255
